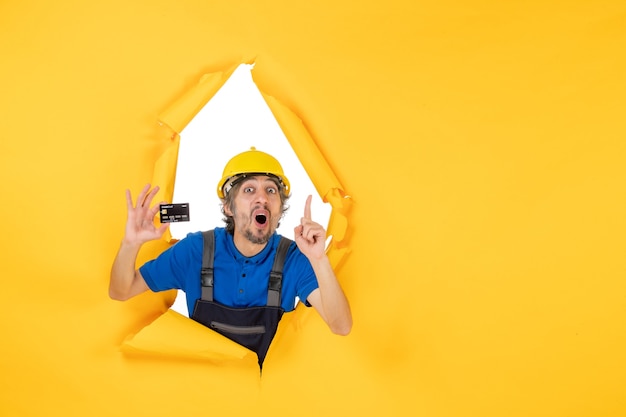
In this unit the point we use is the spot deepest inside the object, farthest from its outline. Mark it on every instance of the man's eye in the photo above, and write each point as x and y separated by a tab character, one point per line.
272	190
248	190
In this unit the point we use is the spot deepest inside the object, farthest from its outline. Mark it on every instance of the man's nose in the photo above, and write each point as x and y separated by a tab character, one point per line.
262	196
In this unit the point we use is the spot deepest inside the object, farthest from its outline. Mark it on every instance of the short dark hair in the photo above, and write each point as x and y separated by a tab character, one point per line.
230	197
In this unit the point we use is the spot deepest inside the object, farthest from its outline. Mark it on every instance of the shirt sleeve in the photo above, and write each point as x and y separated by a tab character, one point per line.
171	269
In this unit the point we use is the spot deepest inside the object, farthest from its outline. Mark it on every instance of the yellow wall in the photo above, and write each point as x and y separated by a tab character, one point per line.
482	143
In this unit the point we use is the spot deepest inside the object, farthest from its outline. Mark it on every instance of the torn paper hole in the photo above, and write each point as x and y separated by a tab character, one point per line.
236	118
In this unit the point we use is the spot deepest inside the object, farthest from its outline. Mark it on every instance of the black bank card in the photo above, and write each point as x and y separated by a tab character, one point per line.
172	213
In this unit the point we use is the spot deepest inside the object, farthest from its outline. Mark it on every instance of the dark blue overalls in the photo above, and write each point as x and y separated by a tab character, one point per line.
252	327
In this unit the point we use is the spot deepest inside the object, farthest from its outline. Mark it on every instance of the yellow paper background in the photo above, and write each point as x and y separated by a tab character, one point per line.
481	143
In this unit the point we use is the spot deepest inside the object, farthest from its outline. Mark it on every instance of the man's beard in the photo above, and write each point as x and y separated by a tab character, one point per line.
248	233
258	240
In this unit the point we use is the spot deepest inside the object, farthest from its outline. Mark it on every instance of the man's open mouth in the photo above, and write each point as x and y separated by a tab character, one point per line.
261	217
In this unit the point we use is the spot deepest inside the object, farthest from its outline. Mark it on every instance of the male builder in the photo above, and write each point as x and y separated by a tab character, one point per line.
239	279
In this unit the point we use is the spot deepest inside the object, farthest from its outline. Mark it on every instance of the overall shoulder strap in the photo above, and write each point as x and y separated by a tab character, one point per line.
206	274
276	276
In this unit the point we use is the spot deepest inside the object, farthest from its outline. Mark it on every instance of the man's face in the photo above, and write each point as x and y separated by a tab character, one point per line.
256	209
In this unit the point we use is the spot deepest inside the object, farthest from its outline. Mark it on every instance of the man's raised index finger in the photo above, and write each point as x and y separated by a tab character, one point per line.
307	208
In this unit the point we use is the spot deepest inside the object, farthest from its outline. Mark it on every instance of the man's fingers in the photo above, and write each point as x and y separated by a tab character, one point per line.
142	195
307	208
144	199
154	210
302	231
150	196
310	231
129	200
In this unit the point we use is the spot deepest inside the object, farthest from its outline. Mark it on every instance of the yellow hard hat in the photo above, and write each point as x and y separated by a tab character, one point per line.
248	163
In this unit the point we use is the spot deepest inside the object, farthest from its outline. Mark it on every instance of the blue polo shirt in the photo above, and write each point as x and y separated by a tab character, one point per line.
239	281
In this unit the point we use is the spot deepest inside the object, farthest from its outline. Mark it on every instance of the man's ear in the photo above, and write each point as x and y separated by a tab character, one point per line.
227	210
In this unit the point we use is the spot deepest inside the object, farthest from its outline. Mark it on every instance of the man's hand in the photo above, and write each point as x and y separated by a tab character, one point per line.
329	299
126	281
140	227
310	236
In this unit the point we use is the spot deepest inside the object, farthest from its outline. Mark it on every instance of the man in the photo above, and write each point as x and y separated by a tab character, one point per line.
229	288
